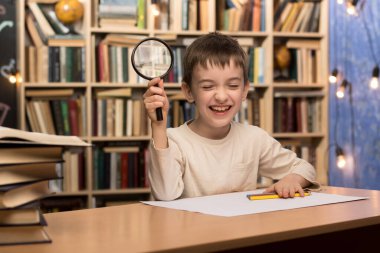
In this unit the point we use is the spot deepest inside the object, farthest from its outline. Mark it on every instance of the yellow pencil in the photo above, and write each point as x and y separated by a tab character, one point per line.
263	196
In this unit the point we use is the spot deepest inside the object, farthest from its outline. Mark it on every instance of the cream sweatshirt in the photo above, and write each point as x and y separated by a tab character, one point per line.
196	166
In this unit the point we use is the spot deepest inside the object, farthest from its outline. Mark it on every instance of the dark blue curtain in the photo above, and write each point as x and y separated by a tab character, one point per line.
355	120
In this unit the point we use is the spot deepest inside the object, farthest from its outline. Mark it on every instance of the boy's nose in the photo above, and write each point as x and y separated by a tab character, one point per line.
221	95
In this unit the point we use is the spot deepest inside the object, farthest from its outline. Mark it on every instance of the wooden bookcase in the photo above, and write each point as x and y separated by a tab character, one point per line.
272	93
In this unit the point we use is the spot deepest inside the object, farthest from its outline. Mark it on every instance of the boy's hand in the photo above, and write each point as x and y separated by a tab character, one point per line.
155	97
288	186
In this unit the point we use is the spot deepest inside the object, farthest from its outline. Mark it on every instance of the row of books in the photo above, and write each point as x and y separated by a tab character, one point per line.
119	117
297	112
126	14
304	150
117	167
250	110
56	64
296	16
28	161
62	116
72	172
232	15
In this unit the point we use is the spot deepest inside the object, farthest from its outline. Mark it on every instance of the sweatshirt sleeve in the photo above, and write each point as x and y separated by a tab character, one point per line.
165	172
277	162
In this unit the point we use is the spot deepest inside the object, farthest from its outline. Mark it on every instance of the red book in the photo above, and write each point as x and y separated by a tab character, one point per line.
124	170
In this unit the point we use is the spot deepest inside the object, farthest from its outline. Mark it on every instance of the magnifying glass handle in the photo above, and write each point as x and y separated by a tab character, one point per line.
159	111
159	114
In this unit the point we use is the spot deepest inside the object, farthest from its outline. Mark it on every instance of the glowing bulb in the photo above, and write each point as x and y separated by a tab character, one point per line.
340	161
340	1
374	83
340	158
333	78
12	79
340	92
155	10
351	10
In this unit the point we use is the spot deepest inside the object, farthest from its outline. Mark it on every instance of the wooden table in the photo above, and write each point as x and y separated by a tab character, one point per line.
143	228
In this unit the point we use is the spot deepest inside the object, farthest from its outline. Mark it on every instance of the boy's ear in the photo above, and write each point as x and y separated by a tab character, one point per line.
246	90
186	90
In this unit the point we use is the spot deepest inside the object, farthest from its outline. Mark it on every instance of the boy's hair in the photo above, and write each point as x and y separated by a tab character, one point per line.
215	49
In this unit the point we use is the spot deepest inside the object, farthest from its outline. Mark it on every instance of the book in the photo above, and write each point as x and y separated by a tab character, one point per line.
17	195
21	155
41	19
49	93
21	217
66	41
119	92
27	173
39	138
23	235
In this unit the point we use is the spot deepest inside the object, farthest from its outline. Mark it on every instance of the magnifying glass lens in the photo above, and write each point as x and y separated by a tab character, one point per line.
152	58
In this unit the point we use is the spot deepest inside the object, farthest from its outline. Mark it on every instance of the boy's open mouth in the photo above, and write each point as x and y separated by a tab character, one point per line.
220	108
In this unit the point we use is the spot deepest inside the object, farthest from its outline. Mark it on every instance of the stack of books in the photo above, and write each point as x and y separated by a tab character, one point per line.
28	161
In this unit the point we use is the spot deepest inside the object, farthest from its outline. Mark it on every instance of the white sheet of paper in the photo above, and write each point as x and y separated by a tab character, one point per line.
237	203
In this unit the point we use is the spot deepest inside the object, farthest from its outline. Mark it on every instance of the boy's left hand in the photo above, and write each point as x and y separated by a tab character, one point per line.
288	186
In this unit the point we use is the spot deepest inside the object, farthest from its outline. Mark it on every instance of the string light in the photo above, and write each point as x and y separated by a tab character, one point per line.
374	83
340	157
341	89
333	78
351	7
15	77
155	8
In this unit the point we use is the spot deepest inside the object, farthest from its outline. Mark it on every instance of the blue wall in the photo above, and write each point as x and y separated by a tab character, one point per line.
355	128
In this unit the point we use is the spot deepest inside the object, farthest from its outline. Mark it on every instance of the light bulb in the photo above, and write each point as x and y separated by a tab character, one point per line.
12	78
340	158
374	83
340	92
340	1
333	78
341	89
351	8
340	161
155	8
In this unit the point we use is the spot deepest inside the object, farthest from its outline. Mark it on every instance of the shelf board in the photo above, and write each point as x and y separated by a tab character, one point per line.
128	85
54	85
70	194
119	30
299	35
119	138
298	85
299	135
245	33
121	191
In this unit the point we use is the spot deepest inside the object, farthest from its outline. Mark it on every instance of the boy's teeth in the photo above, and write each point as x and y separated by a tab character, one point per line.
220	108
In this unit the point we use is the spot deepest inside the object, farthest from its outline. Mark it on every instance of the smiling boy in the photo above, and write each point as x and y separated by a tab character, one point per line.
212	154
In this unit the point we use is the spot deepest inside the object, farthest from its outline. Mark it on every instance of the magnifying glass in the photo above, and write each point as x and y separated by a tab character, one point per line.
152	58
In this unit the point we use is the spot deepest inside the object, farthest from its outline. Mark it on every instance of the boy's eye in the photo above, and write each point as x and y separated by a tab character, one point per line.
207	87
233	85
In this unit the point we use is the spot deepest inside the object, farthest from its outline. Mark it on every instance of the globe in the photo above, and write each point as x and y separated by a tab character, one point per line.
69	11
282	57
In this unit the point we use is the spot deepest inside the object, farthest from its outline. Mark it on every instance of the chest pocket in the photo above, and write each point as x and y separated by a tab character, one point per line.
244	176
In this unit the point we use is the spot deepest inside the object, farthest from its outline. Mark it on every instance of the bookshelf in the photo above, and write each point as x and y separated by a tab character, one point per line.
297	86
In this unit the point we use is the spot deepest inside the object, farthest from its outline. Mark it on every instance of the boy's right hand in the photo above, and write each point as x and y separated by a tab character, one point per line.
155	97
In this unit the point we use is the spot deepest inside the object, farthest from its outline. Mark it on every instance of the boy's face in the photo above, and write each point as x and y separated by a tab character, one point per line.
218	93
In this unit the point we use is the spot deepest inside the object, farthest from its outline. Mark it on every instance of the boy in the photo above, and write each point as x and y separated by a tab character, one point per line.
211	154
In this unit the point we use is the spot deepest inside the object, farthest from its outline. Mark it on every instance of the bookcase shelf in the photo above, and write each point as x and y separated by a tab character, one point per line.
262	105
